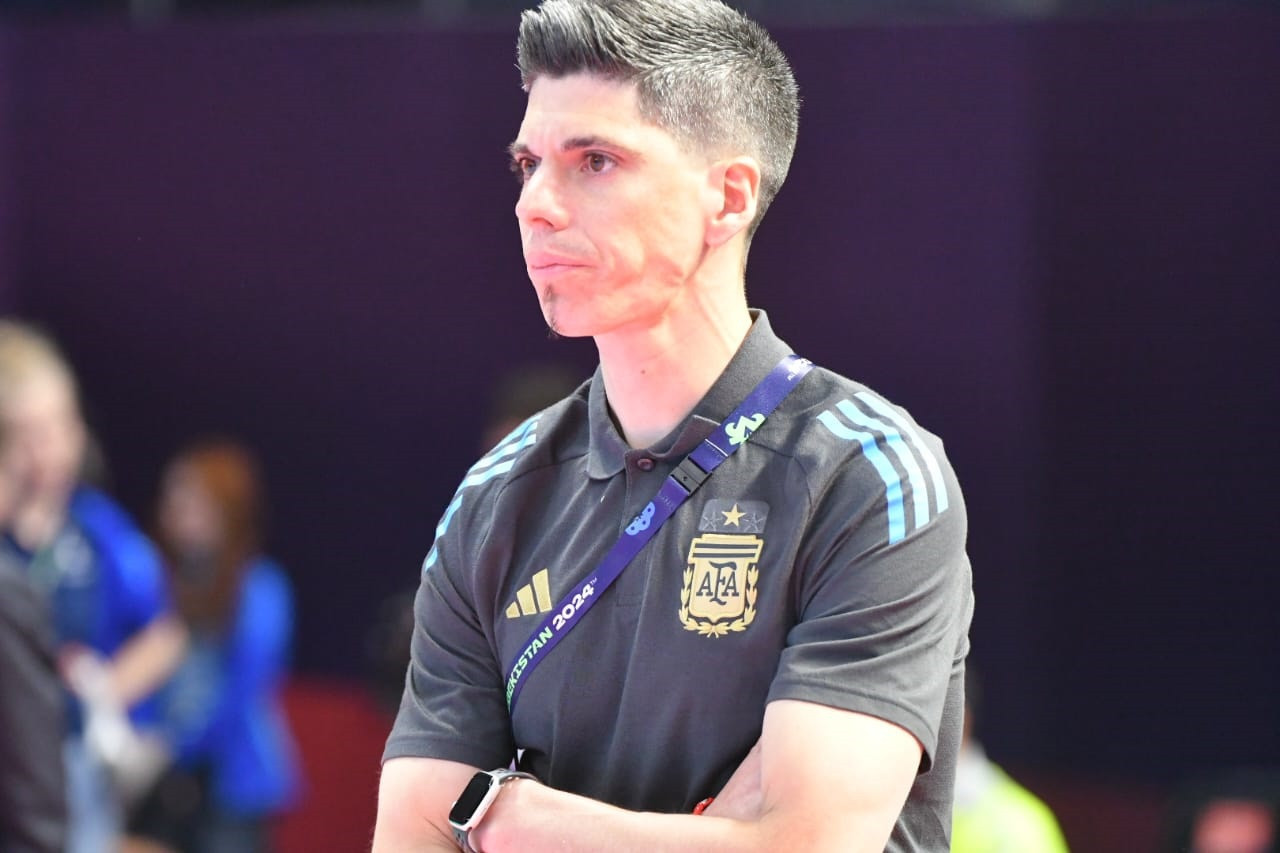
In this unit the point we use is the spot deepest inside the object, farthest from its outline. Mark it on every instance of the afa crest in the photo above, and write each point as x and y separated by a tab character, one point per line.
720	579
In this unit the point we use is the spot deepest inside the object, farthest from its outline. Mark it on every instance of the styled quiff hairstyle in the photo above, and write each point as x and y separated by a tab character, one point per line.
703	72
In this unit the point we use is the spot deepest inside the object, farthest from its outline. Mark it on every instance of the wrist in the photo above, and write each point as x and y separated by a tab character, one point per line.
497	831
477	809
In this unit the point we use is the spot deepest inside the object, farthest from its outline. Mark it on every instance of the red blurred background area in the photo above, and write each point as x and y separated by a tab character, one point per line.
340	732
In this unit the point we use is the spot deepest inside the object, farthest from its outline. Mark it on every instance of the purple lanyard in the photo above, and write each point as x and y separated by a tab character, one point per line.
691	473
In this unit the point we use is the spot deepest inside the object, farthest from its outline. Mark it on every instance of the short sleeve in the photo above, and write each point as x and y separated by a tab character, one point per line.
136	576
453	706
142	577
884	601
263	629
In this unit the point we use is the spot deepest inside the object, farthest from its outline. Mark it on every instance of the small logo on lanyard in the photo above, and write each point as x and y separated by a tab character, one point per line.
741	430
642	521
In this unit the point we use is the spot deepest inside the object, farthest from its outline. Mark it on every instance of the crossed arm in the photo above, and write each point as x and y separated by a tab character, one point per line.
820	779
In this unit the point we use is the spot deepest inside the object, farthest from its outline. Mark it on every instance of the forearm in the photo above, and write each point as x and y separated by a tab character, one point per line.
148	659
414	796
821	780
403	828
531	817
388	837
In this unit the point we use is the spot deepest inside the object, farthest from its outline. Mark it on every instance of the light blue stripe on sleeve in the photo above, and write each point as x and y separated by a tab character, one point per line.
893	438
480	474
519	438
496	462
892	483
433	555
930	461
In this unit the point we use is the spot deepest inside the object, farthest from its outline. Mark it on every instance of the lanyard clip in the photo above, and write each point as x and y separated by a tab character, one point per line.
689	475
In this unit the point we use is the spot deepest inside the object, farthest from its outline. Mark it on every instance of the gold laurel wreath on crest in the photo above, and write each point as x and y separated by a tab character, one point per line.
718	629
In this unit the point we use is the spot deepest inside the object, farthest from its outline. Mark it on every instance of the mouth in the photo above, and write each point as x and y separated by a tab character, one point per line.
553	268
545	271
545	262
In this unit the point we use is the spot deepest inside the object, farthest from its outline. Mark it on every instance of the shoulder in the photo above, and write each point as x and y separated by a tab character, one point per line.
545	439
542	439
113	532
266	596
854	445
832	416
99	514
264	576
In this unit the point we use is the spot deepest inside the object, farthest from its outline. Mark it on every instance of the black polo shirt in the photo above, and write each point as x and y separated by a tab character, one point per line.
824	561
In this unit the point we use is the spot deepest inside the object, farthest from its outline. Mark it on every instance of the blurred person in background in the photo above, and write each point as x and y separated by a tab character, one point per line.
32	785
235	764
1235	811
1234	826
522	392
97	575
993	813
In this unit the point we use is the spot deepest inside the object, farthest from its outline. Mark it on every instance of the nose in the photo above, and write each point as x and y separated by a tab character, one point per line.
542	201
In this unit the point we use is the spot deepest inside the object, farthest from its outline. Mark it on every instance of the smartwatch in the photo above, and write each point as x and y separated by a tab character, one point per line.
476	799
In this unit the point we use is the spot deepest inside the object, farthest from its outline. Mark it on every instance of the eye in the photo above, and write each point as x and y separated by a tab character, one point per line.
597	162
523	168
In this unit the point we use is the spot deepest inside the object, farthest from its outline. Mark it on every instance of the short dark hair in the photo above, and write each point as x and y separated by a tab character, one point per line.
705	73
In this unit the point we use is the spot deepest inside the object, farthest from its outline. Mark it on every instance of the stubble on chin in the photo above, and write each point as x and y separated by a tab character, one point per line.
548	302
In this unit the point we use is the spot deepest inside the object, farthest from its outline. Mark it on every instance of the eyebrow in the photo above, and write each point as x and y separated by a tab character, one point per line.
575	143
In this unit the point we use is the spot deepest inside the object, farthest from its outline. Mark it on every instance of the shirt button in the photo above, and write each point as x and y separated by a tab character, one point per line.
644	463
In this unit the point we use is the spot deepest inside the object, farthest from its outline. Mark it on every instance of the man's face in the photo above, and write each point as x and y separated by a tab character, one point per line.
43	428
612	211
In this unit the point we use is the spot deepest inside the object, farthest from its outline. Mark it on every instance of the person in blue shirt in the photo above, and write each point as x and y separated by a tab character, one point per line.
97	574
221	712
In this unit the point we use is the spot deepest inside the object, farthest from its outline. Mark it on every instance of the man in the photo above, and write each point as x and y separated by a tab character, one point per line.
97	576
792	640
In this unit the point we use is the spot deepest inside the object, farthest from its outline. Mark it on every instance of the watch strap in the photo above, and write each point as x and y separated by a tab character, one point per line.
500	777
463	837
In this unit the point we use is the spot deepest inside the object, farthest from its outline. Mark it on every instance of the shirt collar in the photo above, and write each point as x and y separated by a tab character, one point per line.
759	353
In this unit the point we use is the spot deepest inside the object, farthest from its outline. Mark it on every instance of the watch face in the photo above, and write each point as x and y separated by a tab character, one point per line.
470	798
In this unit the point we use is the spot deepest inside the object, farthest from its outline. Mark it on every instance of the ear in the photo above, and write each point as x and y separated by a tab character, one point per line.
735	191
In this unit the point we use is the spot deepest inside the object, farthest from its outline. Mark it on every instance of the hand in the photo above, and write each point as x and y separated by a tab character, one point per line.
86	672
741	798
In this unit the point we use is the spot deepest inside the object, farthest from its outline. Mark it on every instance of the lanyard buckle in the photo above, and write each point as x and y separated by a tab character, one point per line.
689	475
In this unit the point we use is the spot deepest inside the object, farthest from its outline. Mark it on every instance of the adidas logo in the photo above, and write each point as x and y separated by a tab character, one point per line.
532	598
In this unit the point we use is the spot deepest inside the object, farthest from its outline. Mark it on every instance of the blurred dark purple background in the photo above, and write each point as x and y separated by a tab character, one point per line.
1057	243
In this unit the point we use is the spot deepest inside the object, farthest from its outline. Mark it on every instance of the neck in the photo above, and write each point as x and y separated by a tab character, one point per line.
656	374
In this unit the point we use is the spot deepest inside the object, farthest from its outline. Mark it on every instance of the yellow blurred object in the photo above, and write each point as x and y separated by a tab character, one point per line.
994	814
